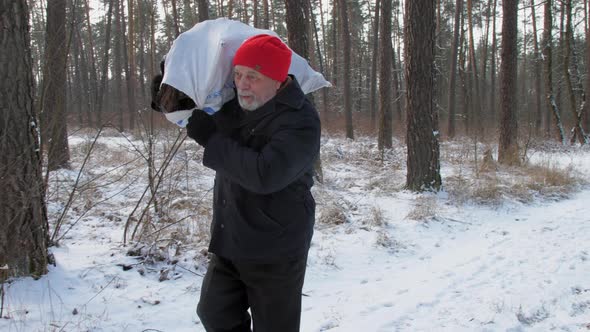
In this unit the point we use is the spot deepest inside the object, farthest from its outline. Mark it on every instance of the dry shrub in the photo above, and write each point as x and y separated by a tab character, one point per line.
376	217
425	208
384	240
524	183
332	215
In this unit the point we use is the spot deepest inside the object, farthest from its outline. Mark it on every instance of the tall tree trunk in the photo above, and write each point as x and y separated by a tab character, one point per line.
578	131
385	109
230	8
245	16
537	68
345	35
174	17
266	22
203	10
54	85
131	77
105	61
476	111
422	135
297	23
24	229
508	147
493	66
374	65
93	83
453	70
78	101
118	61
324	112
551	105
335	46
188	14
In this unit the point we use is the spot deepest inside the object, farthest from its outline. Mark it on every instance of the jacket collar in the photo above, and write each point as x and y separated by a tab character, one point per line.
291	94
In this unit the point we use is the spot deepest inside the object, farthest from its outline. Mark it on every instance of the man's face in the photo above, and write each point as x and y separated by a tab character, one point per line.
254	88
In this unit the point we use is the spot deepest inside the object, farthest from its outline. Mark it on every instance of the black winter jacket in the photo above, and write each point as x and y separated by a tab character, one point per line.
263	210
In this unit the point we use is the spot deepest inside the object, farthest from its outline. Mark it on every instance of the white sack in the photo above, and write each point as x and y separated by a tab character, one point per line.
199	63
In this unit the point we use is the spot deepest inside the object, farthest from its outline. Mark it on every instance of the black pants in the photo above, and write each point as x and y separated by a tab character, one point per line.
271	291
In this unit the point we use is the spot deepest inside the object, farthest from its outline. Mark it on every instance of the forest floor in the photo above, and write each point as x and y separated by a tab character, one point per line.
497	249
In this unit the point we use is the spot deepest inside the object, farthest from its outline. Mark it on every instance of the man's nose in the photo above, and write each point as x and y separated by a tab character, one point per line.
241	83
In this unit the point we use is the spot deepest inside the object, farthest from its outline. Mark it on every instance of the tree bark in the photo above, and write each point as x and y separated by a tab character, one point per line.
422	136
345	35
174	17
131	77
266	21
385	88
23	218
551	105
578	131
538	76
492	101
203	10
374	65
297	23
474	74
54	85
508	147
105	61
453	70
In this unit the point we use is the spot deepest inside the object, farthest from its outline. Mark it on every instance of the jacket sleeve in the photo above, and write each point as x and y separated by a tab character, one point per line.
289	153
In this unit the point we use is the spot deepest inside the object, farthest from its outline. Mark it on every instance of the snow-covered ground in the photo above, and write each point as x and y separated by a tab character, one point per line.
382	258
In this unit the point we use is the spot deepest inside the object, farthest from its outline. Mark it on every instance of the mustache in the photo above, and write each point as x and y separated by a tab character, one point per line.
245	93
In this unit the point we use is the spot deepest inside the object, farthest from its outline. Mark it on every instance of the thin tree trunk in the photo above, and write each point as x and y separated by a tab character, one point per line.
266	22
474	74
188	14
385	109
174	17
538	77
374	64
325	115
105	61
118	61
245	16
230	8
93	71
453	70
492	101
335	46
551	105
345	35
578	131
131	76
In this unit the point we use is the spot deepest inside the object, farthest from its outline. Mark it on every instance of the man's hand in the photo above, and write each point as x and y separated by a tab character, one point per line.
200	127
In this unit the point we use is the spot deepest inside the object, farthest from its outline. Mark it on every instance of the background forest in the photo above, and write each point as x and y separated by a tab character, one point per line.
113	49
451	190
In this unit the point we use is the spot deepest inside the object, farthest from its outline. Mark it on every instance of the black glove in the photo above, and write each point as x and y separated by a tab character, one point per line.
155	87
200	127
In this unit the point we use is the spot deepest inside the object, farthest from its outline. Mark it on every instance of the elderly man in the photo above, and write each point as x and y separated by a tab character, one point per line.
262	145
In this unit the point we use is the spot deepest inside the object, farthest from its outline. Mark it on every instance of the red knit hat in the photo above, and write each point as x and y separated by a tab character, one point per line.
266	54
